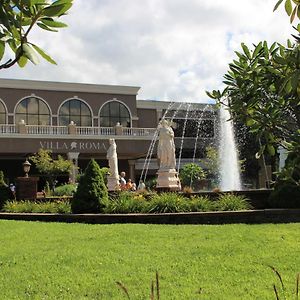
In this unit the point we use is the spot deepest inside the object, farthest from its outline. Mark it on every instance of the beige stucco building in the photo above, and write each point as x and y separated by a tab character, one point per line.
77	120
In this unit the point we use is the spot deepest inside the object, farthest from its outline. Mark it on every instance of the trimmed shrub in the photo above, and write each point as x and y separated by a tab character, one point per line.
227	202
285	195
5	191
91	195
65	190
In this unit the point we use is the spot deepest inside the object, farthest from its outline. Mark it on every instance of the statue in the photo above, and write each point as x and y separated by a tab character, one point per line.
113	178
112	158
166	146
167	176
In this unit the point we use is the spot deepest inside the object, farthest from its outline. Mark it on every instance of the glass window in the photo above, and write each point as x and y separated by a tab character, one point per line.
112	113
2	114
33	111
77	111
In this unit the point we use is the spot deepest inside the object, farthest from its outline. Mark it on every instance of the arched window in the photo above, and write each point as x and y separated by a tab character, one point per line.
113	112
33	111
77	111
2	113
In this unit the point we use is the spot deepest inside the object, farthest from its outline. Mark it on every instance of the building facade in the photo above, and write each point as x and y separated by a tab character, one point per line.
77	120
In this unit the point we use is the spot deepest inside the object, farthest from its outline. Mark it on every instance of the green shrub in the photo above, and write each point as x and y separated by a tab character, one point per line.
126	202
198	204
227	202
285	195
26	206
91	195
167	203
65	190
191	175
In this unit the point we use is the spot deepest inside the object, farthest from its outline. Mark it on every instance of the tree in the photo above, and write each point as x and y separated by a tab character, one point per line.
5	191
52	168
18	18
262	91
91	195
191	174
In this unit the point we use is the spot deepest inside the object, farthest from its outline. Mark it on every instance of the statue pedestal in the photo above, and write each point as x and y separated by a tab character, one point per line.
26	188
168	180
113	184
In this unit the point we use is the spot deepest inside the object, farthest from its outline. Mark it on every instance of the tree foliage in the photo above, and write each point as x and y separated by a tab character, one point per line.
191	174
18	18
50	167
91	195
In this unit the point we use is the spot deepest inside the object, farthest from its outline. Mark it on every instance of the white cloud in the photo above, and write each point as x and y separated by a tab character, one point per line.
171	48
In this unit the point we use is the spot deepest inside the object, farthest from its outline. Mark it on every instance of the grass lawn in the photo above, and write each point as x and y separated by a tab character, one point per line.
78	261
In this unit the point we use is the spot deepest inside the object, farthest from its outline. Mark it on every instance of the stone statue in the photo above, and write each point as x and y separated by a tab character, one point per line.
112	159
166	146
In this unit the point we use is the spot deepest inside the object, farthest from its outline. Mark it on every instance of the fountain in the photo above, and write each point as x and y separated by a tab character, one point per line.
229	170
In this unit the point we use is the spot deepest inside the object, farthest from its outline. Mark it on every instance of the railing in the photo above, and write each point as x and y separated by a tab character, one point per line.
8	129
138	131
72	129
44	129
95	130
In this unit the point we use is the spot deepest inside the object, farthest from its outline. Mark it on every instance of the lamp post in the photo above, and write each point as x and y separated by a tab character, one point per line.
26	167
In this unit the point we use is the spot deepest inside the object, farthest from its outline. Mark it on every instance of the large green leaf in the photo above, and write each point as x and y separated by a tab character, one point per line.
43	54
288	7
51	23
55	10
30	53
43	26
277	4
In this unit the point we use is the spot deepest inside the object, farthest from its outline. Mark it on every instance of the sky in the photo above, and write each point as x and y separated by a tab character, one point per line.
174	50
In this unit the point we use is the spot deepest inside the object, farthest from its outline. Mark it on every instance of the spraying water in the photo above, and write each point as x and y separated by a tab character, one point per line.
229	167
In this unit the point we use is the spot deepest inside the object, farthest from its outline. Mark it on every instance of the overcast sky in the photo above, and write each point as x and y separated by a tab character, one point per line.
173	49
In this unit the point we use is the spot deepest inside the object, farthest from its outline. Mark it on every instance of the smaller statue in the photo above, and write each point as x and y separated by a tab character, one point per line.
166	146
112	159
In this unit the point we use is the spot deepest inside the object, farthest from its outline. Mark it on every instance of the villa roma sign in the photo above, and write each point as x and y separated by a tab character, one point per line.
77	146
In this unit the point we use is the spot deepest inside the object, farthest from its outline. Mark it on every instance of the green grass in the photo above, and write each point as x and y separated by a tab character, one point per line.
79	261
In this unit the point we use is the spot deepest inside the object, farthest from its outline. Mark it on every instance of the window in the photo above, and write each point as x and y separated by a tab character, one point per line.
77	111
33	111
2	114
113	112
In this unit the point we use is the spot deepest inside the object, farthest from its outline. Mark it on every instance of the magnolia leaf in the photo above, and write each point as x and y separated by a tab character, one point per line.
43	54
257	49
277	4
43	26
246	50
2	49
52	23
288	7
30	53
293	14
55	10
22	61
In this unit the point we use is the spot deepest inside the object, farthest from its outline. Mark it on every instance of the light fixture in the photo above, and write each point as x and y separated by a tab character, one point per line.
26	167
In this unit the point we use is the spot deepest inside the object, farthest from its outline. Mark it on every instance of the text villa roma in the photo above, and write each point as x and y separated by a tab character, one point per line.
78	146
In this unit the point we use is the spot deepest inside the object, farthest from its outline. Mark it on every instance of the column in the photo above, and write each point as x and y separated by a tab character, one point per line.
131	163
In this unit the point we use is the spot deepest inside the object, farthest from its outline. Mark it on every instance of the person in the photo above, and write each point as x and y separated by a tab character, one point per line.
13	189
122	181
112	159
141	186
129	185
166	146
133	187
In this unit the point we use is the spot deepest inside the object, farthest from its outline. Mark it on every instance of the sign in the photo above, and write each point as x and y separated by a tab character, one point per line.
71	145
